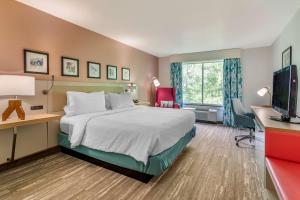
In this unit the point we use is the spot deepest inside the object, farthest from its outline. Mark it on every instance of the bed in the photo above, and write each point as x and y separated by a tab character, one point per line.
146	140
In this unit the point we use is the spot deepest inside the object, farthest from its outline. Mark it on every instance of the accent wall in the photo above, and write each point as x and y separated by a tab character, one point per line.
22	27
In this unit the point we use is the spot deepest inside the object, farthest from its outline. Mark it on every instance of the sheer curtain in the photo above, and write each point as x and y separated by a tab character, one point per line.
176	80
233	83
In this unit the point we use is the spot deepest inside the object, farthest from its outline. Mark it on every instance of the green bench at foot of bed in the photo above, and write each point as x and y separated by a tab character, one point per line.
156	165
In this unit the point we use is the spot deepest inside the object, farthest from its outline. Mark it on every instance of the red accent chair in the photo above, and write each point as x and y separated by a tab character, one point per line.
166	94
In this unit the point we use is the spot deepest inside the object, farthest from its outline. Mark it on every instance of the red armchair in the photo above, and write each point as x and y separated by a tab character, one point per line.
166	94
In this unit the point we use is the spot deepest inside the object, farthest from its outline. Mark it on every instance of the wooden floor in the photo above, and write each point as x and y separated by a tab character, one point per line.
211	167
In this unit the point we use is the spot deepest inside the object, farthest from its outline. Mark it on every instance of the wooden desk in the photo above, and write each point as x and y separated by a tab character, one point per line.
282	140
262	115
29	120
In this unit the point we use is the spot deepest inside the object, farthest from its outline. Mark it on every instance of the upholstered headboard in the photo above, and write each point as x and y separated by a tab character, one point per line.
57	98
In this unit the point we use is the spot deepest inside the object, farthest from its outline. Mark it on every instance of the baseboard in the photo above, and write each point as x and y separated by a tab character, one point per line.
27	159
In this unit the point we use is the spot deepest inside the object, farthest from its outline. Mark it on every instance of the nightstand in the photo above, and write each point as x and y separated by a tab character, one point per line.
29	120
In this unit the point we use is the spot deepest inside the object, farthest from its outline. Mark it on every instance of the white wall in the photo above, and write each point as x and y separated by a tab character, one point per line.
290	36
256	69
257	72
164	71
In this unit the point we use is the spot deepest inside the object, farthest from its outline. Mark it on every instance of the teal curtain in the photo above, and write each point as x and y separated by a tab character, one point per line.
232	79
176	80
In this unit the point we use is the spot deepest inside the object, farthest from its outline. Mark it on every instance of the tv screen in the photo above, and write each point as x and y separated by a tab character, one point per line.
281	89
284	97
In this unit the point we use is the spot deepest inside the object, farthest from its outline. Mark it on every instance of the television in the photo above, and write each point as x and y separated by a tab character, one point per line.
285	92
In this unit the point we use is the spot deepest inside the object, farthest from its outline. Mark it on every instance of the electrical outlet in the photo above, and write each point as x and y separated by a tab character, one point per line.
39	107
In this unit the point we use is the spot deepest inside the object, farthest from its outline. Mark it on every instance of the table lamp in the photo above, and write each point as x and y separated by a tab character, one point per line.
13	85
265	90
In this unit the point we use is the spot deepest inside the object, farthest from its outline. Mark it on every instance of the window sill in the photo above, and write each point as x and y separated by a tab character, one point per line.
198	104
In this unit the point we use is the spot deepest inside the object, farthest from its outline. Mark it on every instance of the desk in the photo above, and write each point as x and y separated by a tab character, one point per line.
262	115
282	140
282	145
30	119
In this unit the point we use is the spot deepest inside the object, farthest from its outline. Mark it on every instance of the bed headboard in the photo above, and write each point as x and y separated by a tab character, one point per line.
57	98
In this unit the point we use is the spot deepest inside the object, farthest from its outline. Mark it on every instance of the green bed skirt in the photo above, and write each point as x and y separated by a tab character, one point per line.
156	164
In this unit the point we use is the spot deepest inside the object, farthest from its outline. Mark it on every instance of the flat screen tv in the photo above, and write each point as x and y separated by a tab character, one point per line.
285	91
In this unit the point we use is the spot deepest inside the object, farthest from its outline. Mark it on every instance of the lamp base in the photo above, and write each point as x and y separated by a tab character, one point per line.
13	105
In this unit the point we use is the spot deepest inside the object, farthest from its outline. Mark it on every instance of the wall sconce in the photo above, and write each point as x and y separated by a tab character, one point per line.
132	89
45	92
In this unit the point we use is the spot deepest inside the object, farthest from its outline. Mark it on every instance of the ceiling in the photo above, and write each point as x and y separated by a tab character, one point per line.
166	27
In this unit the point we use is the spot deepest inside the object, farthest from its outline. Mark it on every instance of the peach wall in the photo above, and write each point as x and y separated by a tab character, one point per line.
25	27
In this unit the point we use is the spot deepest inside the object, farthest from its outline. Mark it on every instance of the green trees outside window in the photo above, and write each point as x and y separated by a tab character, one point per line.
202	82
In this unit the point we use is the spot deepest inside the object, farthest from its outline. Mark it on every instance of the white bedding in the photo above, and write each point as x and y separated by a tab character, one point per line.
137	131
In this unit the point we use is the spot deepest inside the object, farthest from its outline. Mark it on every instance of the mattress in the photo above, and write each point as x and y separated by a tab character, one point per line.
138	132
156	164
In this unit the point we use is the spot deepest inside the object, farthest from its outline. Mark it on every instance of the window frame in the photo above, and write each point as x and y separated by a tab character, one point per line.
202	79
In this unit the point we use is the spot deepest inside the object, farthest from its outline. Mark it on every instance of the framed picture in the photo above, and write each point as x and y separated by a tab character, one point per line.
111	72
36	62
69	67
287	57
125	74
93	70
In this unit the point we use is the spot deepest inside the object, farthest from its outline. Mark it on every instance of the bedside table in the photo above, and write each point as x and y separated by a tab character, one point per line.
29	120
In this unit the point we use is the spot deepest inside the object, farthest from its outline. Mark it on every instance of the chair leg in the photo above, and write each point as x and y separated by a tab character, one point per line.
251	137
237	136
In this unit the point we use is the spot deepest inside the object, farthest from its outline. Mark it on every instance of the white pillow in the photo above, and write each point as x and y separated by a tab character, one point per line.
166	104
81	103
118	101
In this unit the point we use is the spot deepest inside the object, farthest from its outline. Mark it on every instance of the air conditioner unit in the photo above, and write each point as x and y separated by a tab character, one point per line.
210	115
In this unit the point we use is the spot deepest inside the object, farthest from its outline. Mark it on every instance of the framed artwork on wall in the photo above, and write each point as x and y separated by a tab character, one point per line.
125	74
36	62
93	70
287	57
111	72
69	67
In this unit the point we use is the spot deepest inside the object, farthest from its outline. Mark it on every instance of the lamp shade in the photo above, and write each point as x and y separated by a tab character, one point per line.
263	91
13	85
155	82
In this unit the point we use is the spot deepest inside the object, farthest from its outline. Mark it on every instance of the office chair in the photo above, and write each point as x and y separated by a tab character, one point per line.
242	119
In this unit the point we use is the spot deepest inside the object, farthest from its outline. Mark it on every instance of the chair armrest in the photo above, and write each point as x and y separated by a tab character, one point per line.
245	121
156	105
176	105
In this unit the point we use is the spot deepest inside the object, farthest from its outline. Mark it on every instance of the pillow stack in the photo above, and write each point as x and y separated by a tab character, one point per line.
82	103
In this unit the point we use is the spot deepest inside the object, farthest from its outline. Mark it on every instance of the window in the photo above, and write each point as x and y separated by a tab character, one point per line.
202	82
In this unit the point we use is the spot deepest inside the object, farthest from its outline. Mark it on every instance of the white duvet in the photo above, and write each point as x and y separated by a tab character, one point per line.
137	131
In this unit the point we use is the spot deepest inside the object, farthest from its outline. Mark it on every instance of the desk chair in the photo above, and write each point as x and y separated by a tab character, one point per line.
242	119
